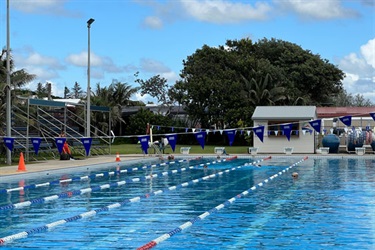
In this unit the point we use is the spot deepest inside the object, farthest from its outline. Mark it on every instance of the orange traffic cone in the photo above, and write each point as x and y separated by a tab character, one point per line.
21	163
118	157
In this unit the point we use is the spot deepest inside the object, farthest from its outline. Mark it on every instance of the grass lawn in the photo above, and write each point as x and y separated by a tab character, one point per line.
194	149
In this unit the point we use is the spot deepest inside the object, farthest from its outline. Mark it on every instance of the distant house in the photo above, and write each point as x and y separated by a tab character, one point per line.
302	137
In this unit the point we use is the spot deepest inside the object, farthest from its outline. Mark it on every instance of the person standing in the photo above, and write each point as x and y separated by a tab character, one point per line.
66	153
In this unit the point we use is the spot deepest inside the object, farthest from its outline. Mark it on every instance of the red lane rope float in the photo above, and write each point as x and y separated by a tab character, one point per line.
166	236
231	158
92	213
72	193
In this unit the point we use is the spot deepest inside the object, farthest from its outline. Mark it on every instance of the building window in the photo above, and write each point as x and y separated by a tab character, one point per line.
275	128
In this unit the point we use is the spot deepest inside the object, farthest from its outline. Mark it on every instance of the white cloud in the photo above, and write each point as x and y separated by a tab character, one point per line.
44	67
323	10
220	11
145	98
360	71
99	65
211	11
153	22
81	60
153	66
368	52
37	59
47	7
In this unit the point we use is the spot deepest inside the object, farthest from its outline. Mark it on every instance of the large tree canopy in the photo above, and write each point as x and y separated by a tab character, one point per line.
223	85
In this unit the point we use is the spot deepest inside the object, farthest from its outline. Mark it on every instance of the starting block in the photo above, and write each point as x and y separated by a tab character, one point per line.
360	151
288	150
185	150
253	151
219	150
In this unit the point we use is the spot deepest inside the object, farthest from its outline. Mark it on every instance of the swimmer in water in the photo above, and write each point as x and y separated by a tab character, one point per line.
295	175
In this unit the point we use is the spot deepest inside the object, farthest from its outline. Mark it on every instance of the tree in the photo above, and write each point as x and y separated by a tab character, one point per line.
115	96
77	92
18	78
305	74
224	84
66	92
348	100
41	90
210	86
120	96
156	87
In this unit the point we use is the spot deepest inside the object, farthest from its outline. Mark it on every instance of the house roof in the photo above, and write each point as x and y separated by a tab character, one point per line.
329	112
284	113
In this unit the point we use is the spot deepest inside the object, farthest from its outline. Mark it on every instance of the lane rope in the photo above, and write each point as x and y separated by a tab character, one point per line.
92	176
229	202
92	213
69	194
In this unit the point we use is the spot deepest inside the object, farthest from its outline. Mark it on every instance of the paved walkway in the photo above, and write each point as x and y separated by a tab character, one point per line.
58	164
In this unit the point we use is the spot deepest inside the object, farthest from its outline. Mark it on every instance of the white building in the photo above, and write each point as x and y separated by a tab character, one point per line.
302	137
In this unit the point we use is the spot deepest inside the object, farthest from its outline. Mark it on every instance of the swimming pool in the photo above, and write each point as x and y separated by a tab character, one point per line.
330	205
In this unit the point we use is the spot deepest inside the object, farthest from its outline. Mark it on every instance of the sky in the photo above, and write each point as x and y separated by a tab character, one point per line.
49	38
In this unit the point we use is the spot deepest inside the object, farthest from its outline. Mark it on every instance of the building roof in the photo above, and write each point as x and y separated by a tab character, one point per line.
329	112
284	113
128	110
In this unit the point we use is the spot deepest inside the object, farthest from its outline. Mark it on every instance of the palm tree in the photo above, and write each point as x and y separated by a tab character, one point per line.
115	96
18	79
263	92
121	94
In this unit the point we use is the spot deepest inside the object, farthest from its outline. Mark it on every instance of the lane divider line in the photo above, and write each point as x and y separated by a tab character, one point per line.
69	194
92	177
229	202
92	213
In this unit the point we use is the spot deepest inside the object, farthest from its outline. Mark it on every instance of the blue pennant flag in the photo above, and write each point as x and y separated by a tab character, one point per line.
347	120
231	134
287	130
373	115
144	142
9	141
316	124
201	136
172	139
259	131
60	143
86	141
36	144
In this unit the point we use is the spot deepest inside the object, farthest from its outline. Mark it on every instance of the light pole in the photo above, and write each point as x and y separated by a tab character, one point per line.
8	94
88	104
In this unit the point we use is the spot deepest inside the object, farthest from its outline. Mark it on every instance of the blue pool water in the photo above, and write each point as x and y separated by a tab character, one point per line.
330	205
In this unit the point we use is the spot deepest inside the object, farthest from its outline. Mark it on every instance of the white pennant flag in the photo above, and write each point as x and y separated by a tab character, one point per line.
303	132
276	132
248	132
221	131
331	130
193	129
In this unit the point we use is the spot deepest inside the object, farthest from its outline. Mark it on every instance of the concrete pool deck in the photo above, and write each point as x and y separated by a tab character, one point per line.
39	166
34	167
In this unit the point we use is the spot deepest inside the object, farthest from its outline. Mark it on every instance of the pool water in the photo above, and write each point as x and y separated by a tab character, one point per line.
330	205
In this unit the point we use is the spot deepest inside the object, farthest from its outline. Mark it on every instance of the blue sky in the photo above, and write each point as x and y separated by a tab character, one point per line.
49	38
